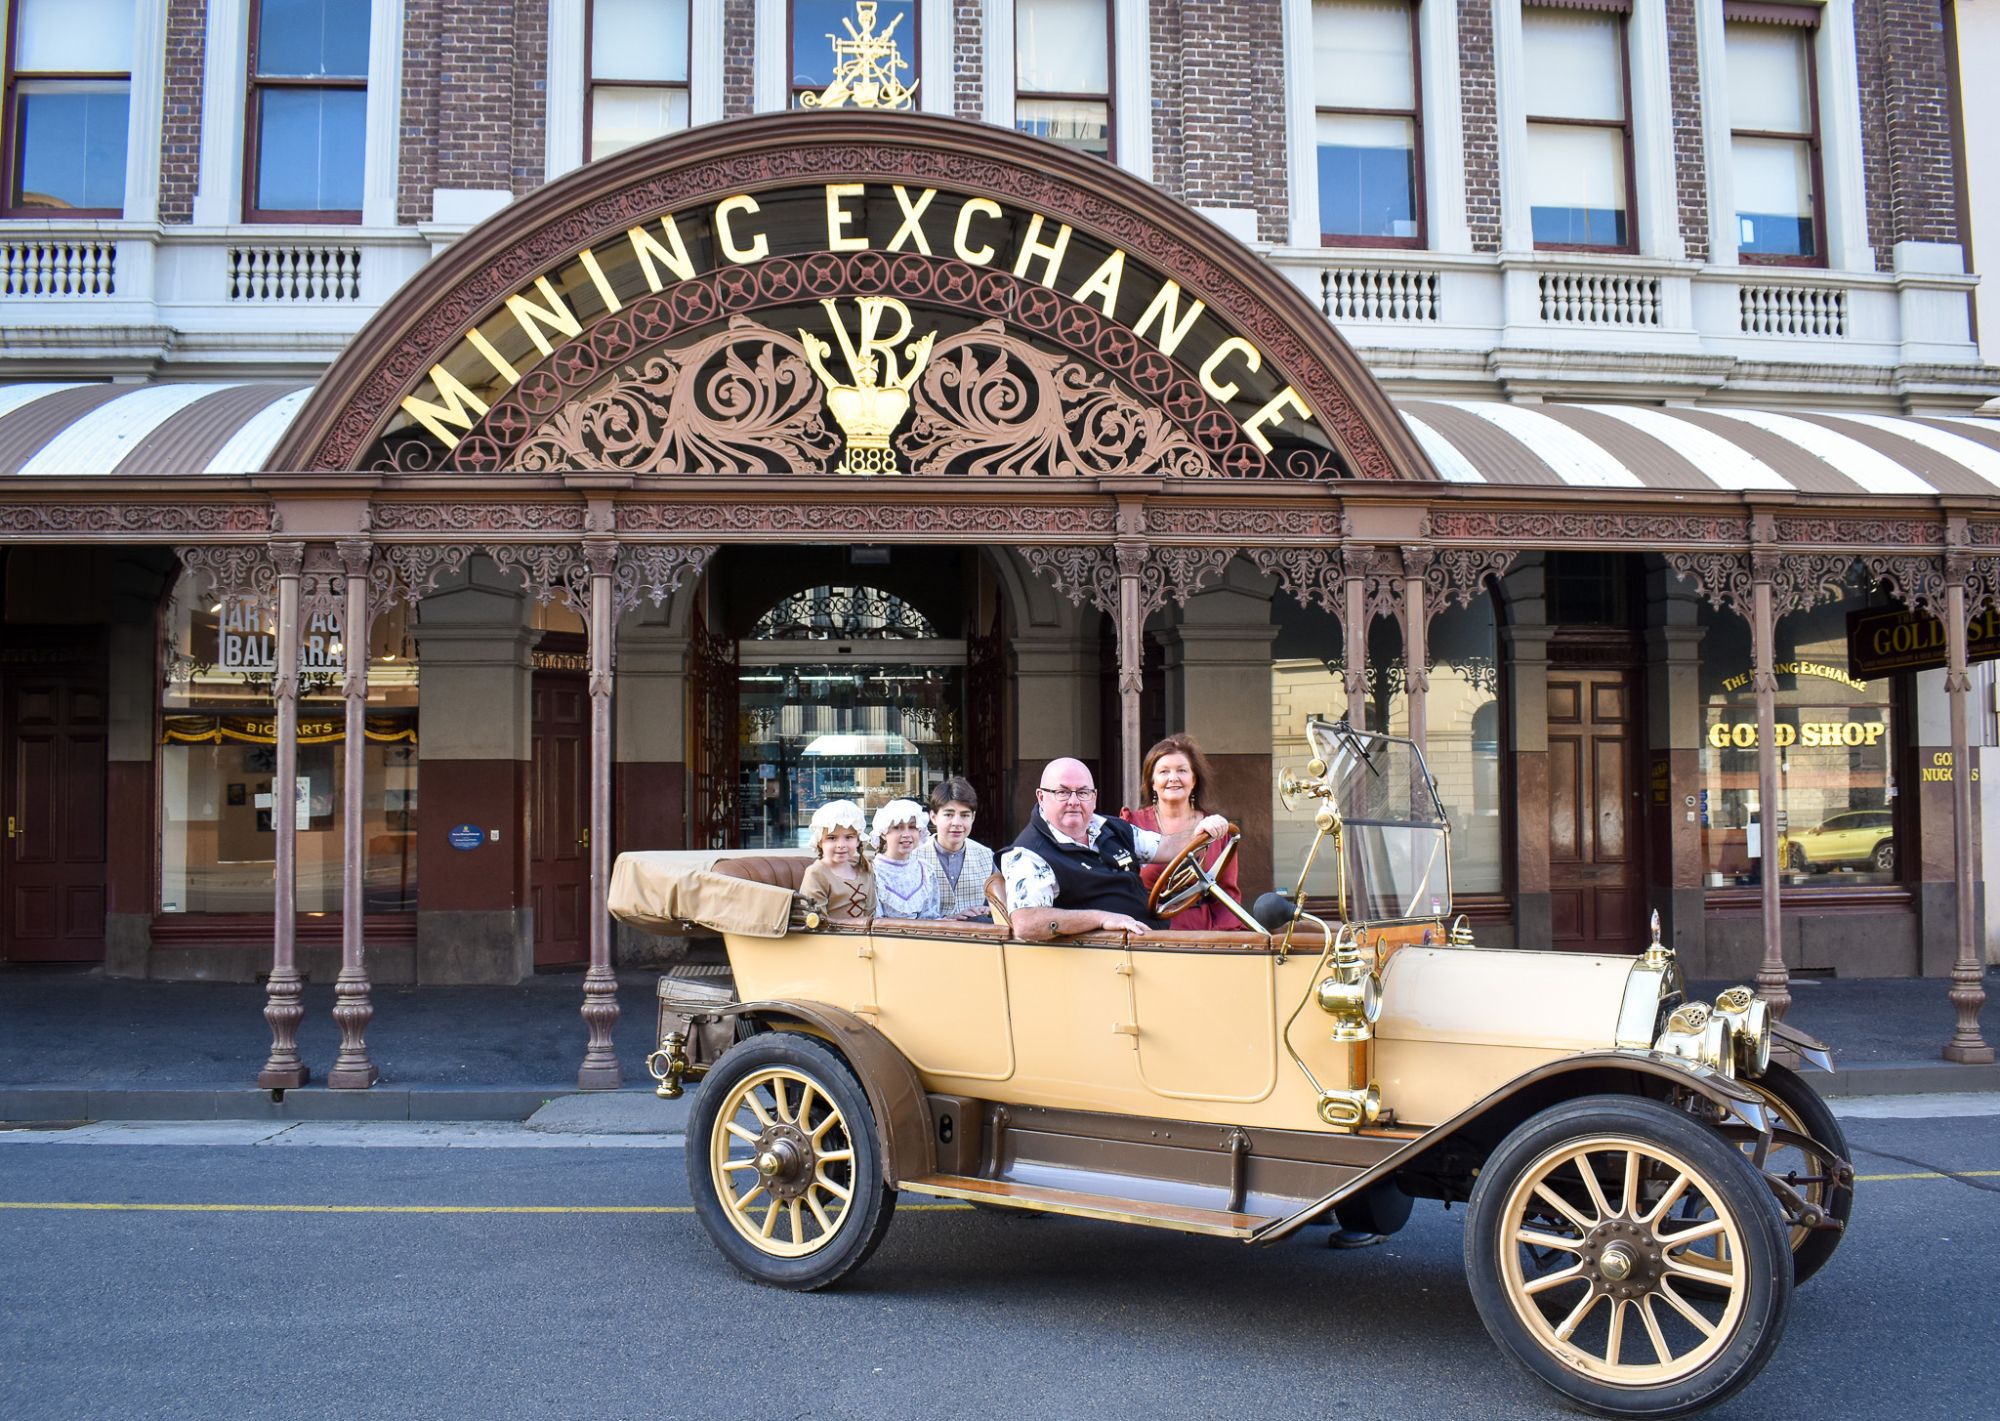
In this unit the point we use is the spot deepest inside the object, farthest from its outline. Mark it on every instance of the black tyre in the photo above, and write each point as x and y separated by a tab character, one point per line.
784	1164
1795	858
1629	1257
1883	860
1807	1151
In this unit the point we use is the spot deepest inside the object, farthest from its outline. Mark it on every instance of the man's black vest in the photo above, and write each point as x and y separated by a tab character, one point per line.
1105	878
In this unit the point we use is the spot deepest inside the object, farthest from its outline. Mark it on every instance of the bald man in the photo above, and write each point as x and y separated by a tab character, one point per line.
1075	871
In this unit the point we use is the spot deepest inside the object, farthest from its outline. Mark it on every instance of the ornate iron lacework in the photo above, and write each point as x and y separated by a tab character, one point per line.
990	404
848	519
1312	576
842	614
655	322
157	519
1914	579
741	401
1723	578
1460	575
1079	573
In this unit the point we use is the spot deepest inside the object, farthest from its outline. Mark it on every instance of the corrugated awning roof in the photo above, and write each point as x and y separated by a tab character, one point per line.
148	431
143	431
1705	449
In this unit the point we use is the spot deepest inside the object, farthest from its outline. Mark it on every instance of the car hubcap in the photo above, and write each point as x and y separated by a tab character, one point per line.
782	1162
1621	1262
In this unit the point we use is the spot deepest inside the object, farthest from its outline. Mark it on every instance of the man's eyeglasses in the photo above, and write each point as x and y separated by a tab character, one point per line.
1080	796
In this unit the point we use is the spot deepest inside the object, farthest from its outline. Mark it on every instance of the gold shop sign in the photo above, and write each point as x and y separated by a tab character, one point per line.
1886	639
1810	735
875	336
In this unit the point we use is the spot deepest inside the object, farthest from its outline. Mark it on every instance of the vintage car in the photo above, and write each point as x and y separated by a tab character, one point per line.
1646	1182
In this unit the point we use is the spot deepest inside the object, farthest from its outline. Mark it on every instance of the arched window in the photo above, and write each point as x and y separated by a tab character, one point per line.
842	613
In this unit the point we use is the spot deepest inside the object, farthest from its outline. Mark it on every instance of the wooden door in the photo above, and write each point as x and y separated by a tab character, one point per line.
713	752
1596	870
559	814
52	870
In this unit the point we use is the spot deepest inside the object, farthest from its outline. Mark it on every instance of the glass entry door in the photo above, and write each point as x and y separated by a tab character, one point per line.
818	730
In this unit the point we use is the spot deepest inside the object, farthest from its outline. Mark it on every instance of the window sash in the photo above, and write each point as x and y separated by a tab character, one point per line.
1063	47
625	115
288	48
79	168
1770	85
73	37
1578	60
1578	187
1080	123
321	119
639	41
1777	175
1367	176
1364	54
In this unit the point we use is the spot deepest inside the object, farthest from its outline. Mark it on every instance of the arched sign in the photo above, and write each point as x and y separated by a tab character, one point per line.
858	294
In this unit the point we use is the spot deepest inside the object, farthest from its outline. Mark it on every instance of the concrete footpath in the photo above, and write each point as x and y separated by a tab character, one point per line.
75	1046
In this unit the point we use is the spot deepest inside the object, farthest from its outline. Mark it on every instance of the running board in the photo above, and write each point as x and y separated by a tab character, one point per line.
1218	1223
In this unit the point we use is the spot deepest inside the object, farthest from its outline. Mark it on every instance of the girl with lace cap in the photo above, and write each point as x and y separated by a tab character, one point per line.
904	887
838	881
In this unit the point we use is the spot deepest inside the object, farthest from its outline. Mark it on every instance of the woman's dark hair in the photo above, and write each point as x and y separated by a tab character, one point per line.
954	791
1178	744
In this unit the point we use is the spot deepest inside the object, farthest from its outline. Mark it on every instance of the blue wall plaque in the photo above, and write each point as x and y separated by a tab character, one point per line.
466	836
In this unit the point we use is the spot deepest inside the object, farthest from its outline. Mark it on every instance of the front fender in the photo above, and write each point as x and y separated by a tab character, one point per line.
1586	1073
895	1093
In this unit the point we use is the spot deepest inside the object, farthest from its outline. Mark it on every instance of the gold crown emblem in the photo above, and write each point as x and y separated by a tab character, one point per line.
876	395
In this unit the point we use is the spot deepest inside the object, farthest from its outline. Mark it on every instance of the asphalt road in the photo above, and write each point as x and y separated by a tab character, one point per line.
405	1308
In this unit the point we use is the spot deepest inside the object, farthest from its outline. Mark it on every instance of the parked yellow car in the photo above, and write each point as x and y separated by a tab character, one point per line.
1645	1183
1860	838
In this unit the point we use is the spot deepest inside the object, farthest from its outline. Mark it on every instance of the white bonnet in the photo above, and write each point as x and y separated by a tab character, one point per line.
900	811
837	814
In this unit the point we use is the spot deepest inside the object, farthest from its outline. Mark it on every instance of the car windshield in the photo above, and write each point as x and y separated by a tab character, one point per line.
1395	860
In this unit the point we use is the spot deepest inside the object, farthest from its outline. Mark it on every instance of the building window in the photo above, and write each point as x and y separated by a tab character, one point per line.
818	24
1368	123
308	123
218	759
1062	72
1837	813
1579	128
68	107
1774	138
638	86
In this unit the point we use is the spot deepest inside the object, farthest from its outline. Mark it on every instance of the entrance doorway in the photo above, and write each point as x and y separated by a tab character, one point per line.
1596	867
52	870
559	796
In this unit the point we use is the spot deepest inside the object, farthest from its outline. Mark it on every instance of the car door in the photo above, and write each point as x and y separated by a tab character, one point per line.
941	995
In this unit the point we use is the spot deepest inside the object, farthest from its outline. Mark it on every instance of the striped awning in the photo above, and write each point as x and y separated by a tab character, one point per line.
1706	449
77	430
143	431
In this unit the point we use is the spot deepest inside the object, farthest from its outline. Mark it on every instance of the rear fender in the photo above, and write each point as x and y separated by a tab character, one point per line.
895	1094
1475	1131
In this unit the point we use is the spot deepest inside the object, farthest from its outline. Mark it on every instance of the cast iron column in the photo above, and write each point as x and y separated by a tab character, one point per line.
1417	643
352	1007
282	1007
1773	978
1968	991
1131	668
1354	638
600	985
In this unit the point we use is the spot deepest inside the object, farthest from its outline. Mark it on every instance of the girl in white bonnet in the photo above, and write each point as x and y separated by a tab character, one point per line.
903	885
838	881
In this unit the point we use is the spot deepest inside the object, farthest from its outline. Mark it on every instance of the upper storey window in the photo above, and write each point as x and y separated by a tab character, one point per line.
1062	72
1774	135
1579	128
1368	122
68	107
818	24
638	72
308	110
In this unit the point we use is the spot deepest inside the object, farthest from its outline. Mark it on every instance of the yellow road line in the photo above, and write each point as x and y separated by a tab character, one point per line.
64	1207
1927	1174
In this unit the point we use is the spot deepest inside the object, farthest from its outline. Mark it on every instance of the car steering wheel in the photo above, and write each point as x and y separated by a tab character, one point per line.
1185	881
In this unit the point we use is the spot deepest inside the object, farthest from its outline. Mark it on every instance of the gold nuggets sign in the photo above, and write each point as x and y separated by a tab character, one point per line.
881	342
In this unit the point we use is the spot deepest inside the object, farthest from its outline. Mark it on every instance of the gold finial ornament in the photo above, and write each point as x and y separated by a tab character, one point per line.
865	67
877	393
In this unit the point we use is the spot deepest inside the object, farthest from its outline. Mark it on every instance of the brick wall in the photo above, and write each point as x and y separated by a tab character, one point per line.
1230	62
968	60
531	95
1481	123
739	58
1169	147
1906	150
180	135
416	168
1690	170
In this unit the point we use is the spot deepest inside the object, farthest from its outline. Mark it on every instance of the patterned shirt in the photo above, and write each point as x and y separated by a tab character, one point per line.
1031	883
975	866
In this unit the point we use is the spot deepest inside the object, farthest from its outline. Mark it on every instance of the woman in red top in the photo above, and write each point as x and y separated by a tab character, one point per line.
1177	776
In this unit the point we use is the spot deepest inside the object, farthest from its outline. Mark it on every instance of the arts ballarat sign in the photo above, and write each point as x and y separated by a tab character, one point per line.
847	303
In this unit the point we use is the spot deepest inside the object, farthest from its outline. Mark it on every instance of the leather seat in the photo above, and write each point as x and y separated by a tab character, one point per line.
996	900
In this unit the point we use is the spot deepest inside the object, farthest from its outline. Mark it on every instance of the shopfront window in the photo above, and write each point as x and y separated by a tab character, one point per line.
1837	811
218	757
1462	710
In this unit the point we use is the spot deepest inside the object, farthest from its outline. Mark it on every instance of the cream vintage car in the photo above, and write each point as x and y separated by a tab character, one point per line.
1646	1183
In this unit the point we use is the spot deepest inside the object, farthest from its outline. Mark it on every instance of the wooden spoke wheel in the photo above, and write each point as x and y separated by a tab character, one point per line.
1629	1257
784	1164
